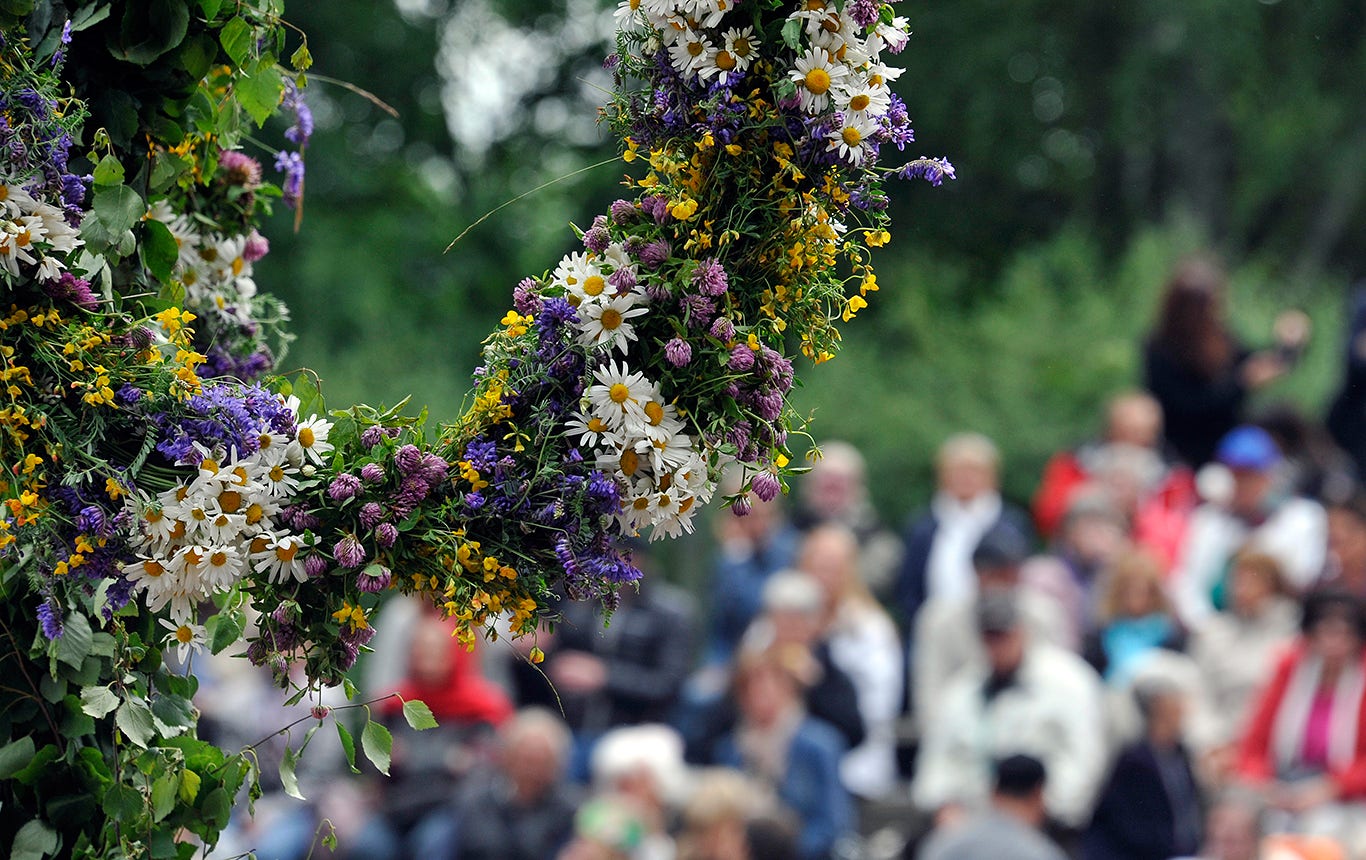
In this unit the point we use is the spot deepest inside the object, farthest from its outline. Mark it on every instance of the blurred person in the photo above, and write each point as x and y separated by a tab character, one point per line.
1133	617
1346	418
779	745
1257	515
1010	828
522	808
1233	828
864	644
716	817
1196	367
1029	697
947	640
835	490
751	548
939	541
608	828
1150	806
1133	422
1235	652
1305	746
795	615
643	767
1315	467
1091	535
1346	565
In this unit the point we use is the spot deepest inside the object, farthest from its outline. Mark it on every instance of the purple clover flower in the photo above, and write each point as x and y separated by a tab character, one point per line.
678	352
710	278
315	565
741	358
371	514
344	486
386	535
348	552
372	472
373	583
372	436
766	486
655	254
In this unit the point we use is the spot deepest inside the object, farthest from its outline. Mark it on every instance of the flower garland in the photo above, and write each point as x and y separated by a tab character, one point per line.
162	493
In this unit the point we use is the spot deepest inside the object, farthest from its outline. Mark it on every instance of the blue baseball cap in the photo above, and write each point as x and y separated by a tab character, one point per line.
1248	447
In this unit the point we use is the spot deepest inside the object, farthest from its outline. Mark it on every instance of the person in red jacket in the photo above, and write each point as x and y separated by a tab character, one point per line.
1305	748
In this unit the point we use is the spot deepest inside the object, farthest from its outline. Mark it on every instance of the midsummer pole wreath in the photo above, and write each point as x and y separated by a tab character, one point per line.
164	492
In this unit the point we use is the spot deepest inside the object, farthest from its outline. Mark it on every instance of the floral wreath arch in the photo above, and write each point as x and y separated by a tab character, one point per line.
159	481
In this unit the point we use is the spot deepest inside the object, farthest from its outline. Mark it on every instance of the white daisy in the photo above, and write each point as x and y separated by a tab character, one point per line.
188	638
851	138
223	528
223	565
619	393
666	454
592	431
154	528
14	199
739	49
572	271
661	421
861	99
691	53
279	480
815	74
310	441
606	322
281	558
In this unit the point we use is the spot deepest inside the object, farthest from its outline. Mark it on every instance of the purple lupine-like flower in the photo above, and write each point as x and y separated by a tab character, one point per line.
766	486
623	211
710	278
50	620
655	254
372	436
128	394
932	170
678	352
293	101
386	534
315	565
371	514
474	500
408	458
291	164
344	486
348	552
741	359
90	520
372	472
256	247
373	583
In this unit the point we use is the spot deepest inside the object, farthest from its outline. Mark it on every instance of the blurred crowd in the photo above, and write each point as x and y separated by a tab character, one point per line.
1163	655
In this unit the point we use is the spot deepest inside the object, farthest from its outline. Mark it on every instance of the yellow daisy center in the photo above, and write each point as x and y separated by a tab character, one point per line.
286	552
852	136
199	514
859	102
875	80
741	47
265	441
277	473
596	425
654	412
237	266
629	462
619	393
152	516
184	635
178	530
259	544
218	559
724	61
4	192
685	505
695	49
306	437
593	285
151	567
641	503
210	466
255	513
23	239
192	557
209	254
817	82
230	501
610	319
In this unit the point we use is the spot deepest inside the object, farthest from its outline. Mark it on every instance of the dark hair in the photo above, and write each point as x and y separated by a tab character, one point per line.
1329	603
1002	546
1189	329
771	837
1019	775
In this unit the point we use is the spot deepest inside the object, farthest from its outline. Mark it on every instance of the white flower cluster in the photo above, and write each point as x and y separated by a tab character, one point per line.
637	435
214	269
32	234
839	77
201	536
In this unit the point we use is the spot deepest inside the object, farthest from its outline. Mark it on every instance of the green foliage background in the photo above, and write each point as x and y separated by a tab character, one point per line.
1095	143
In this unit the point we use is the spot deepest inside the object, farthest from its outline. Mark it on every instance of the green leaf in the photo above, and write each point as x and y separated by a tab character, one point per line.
236	39
228	631
302	60
15	754
348	746
349	688
122	802
118	208
210	8
377	743
189	785
109	171
164	792
159	250
217	808
34	841
75	722
135	720
98	701
77	637
172	715
89	17
149	29
287	778
418	715
37	764
260	91
102	644
792	32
